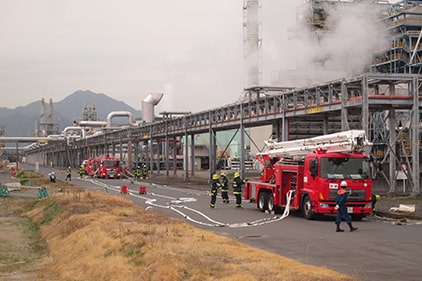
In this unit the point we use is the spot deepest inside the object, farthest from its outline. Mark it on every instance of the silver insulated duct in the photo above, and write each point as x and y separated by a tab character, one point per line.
148	105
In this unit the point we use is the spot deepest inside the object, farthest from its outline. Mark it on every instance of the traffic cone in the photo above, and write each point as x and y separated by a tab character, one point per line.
142	189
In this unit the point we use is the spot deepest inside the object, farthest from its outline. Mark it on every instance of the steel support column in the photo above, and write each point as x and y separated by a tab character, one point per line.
167	147
192	153
175	140
212	151
186	154
242	144
392	146
365	109
129	154
415	138
325	125
136	152
344	116
284	129
151	150
277	129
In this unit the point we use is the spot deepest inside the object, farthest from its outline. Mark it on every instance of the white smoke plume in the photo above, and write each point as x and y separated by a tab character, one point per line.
345	47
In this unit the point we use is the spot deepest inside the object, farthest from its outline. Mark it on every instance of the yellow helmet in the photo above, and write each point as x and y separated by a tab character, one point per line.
236	175
215	177
222	174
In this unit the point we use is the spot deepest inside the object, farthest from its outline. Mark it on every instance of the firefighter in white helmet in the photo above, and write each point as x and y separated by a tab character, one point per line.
341	207
68	174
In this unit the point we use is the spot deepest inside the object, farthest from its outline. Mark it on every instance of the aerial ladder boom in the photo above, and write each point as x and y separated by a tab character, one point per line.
348	141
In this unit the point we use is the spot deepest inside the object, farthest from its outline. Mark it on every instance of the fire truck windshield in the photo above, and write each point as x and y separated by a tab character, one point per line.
111	163
344	168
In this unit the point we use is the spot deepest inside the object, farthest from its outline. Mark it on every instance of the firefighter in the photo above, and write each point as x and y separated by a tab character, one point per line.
81	171
138	173
237	189
52	177
374	199
215	184
144	172
69	174
341	208
224	182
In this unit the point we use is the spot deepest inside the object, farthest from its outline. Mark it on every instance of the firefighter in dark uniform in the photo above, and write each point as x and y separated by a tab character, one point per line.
374	199
341	207
224	182
52	177
69	174
81	171
144	172
215	184
138	173
237	189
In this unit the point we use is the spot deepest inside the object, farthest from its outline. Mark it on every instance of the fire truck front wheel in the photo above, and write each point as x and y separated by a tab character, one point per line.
307	208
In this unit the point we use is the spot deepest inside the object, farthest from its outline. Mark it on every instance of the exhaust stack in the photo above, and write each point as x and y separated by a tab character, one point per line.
148	105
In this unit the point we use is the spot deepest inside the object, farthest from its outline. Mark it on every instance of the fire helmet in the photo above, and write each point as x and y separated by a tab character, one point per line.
343	184
236	175
215	177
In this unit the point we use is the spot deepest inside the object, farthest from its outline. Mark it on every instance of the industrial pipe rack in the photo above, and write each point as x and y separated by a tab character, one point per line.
368	102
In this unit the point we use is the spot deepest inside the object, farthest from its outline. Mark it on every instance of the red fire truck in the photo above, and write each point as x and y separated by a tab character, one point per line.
306	174
102	167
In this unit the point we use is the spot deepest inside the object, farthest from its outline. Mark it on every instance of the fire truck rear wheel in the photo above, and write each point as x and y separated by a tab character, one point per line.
270	205
307	208
262	201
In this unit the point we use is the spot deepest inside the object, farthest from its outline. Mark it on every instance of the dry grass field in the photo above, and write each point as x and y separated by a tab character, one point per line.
73	235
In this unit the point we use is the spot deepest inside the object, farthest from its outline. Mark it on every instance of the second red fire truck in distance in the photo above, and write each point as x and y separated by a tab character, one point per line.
102	167
306	174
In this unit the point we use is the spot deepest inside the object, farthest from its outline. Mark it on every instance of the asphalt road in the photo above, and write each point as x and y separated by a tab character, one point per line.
380	250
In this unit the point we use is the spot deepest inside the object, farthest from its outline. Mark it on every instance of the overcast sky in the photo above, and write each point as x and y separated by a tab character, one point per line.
192	50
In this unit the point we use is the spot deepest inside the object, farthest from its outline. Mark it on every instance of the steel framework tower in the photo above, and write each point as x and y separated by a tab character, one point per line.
403	22
252	42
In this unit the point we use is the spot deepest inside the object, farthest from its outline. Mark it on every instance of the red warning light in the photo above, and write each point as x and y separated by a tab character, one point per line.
320	150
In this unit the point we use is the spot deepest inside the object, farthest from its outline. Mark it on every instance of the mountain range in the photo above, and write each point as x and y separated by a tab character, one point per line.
21	121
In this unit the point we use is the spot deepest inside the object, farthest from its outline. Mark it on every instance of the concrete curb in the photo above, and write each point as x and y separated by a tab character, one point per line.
397	215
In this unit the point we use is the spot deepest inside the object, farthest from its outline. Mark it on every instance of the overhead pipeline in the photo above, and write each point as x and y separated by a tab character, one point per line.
111	115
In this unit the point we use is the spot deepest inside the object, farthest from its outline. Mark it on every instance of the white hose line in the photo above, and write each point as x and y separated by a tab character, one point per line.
150	201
